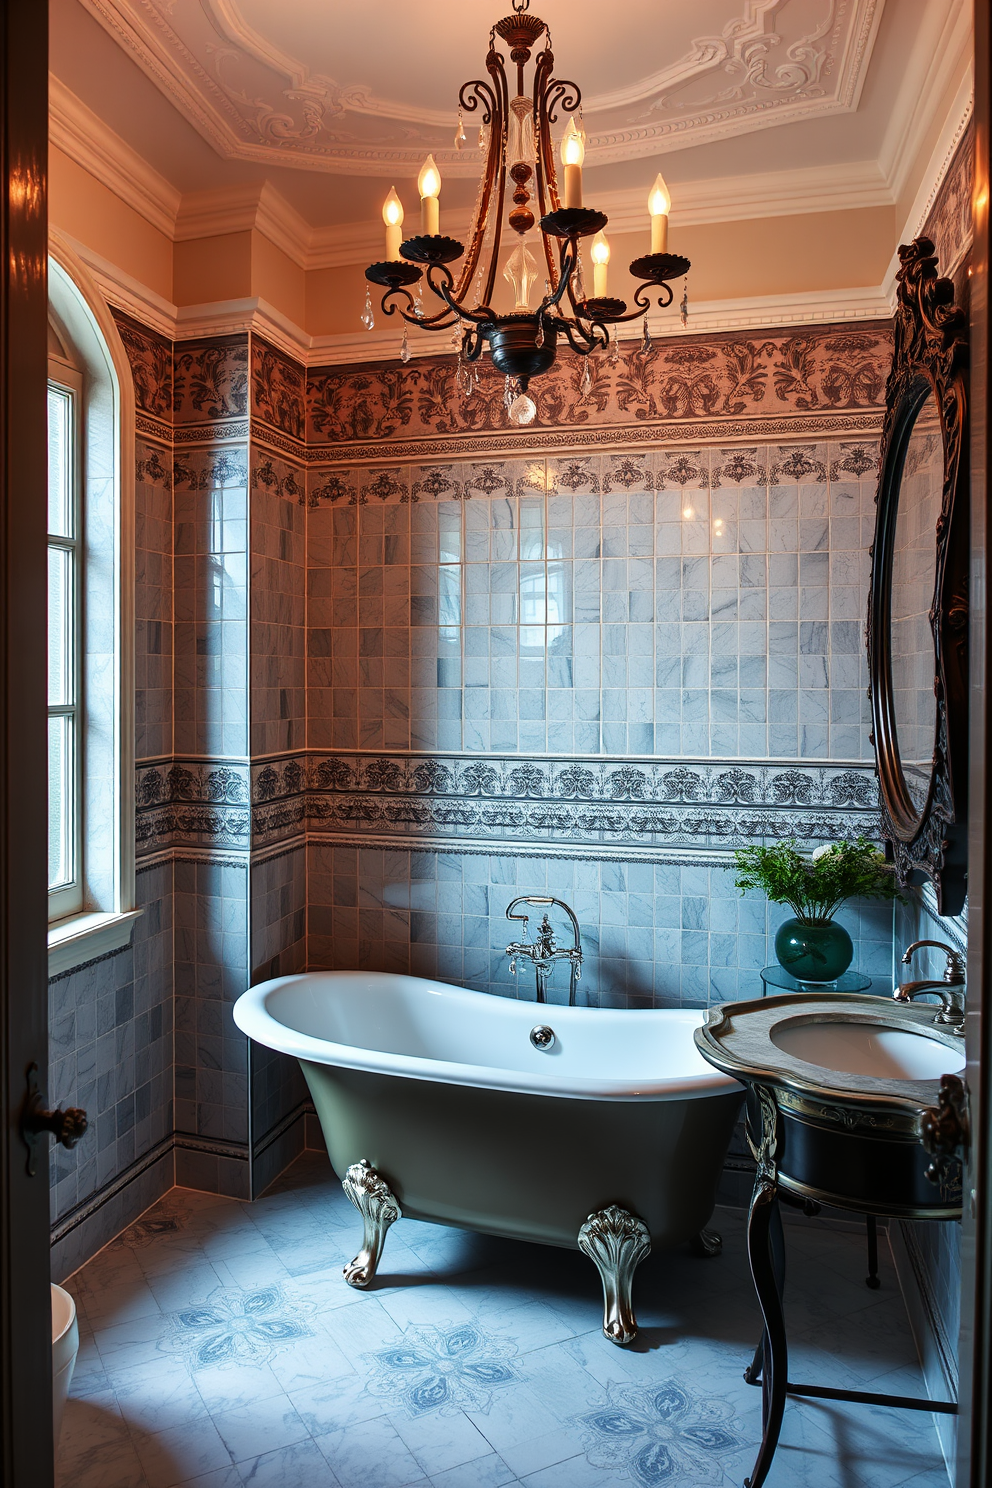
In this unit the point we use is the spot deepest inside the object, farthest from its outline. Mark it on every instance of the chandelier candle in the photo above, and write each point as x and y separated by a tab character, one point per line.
659	205
573	152
392	216
600	255
429	186
519	192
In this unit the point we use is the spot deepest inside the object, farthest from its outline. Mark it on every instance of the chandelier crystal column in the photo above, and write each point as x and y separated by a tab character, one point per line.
516	133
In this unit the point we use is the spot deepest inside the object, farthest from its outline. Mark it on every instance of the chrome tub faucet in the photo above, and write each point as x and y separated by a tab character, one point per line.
544	951
951	985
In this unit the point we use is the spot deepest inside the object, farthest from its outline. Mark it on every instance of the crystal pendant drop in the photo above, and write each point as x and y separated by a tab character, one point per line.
507	393
522	410
539	338
645	347
461	138
684	307
405	352
586	383
418	304
483	137
614	357
368	319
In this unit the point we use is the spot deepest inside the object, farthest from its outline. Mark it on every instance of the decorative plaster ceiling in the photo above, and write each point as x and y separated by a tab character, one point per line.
236	70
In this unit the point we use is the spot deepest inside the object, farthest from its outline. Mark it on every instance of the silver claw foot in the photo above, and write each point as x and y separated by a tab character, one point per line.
706	1244
374	1201
616	1242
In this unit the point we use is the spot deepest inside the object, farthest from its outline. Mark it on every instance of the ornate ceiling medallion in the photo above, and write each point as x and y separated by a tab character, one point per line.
520	158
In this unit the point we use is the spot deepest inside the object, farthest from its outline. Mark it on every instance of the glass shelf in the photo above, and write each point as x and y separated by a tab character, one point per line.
780	980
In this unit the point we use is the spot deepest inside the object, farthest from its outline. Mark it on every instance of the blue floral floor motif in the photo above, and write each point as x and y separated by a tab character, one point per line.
236	1327
660	1436
447	1368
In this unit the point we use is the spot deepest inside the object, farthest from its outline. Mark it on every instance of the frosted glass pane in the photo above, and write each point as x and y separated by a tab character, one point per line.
60	514
61	869
60	638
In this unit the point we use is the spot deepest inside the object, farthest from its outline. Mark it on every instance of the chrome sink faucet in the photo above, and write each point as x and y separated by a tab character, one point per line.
950	986
544	951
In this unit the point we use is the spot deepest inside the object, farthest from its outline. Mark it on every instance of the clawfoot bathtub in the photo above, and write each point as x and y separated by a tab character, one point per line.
597	1129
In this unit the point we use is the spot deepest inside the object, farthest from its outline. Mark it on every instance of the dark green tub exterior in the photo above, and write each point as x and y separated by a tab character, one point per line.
528	1167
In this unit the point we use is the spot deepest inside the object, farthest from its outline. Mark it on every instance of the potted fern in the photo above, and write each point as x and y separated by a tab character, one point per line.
812	946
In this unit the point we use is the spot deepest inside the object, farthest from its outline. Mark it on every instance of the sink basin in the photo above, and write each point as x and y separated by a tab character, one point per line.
867	1049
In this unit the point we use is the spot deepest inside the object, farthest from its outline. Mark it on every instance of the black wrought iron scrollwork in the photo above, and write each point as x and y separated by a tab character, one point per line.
930	359
945	1129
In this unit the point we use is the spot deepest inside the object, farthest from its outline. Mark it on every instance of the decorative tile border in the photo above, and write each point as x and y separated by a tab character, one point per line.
192	803
646	803
730	383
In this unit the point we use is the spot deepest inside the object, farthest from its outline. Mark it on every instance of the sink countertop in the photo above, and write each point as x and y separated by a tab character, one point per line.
737	1039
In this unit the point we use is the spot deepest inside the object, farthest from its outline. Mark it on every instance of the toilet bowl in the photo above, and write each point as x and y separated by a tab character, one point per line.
65	1346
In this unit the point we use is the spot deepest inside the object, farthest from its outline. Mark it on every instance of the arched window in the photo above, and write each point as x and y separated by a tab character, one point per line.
91	622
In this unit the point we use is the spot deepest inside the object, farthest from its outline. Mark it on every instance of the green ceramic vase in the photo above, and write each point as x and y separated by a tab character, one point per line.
814	950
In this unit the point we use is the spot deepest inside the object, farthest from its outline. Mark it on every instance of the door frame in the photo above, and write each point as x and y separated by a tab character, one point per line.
26	1455
974	1445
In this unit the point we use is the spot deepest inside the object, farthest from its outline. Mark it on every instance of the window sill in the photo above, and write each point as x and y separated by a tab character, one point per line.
84	937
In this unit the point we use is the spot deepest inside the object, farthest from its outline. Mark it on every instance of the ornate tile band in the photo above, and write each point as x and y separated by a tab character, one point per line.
643	803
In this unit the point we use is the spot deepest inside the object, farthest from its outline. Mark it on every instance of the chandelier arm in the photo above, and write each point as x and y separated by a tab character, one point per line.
472	344
497	162
483	316
569	253
560	93
471	96
544	170
642	302
590	340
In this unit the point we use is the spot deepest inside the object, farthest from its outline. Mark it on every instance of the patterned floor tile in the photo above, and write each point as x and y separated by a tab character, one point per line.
221	1346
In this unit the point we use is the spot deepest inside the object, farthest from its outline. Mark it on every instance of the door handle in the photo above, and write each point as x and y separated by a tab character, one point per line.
66	1126
945	1128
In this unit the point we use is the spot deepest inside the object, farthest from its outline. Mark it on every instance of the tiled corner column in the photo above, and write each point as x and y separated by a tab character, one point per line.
210	762
277	708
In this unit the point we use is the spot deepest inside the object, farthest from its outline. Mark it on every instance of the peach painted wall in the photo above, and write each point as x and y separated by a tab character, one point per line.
276	278
730	260
88	211
213	269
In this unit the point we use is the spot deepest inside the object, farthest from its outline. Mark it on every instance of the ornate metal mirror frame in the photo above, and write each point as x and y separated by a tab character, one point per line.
925	828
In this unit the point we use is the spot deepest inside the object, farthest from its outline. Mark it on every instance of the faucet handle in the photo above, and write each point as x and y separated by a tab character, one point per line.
954	966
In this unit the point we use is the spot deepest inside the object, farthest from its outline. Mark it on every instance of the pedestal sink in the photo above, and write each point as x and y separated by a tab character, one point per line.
867	1049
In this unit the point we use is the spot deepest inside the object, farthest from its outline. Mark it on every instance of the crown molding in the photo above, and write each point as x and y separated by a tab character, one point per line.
942	58
226	317
82	135
820	82
932	179
210	214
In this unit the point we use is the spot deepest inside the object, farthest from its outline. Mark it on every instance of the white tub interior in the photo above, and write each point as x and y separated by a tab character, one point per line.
430	1030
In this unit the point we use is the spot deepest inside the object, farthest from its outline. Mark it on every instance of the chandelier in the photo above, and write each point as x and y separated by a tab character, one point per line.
515	134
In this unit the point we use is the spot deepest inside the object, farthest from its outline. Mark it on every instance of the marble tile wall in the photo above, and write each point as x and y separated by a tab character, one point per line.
703	602
153	600
111	1052
211	601
278	1091
654	934
278	605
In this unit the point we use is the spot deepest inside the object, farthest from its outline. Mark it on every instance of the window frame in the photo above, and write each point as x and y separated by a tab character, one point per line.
86	331
68	900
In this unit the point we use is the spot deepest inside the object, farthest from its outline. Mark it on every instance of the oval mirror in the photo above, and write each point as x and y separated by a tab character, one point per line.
918	606
914	573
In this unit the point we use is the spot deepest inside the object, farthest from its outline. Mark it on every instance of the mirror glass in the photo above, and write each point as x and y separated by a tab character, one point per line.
914	570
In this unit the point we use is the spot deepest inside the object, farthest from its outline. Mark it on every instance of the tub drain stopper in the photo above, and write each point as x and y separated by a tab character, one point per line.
542	1037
